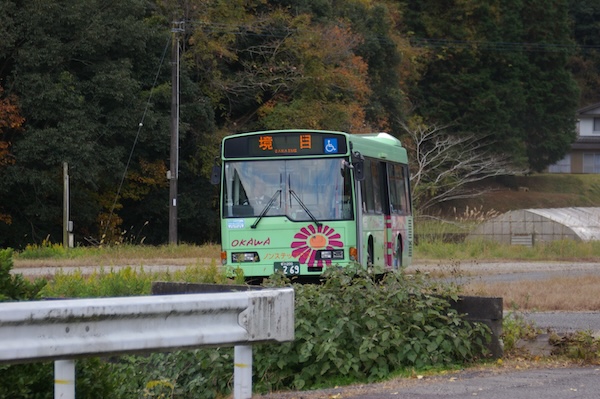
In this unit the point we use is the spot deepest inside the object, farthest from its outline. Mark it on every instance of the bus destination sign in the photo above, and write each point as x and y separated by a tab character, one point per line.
285	144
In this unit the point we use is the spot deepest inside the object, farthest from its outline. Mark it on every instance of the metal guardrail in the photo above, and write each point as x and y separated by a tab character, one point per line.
63	330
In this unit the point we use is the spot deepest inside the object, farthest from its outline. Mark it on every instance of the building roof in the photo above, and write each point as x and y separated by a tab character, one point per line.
587	109
579	223
585	222
586	143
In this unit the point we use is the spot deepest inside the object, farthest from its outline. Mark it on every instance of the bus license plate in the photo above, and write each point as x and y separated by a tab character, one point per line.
287	268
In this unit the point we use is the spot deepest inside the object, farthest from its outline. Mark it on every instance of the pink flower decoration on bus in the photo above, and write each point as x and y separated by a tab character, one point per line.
310	239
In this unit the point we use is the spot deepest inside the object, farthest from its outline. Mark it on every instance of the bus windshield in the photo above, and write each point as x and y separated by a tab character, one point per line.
300	189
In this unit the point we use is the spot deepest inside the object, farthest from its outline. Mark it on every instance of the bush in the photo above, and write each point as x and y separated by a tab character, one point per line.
15	287
351	328
358	328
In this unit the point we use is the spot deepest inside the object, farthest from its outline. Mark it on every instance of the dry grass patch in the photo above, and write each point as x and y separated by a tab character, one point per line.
560	293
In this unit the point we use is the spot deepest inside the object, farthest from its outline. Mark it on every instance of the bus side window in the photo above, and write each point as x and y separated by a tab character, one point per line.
397	196
406	190
367	188
371	187
399	189
377	176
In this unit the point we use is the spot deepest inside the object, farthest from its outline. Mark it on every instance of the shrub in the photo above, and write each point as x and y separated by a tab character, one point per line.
351	328
15	287
362	329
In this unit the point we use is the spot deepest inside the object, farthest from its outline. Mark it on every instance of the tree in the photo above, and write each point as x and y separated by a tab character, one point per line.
331	91
585	63
11	123
498	70
273	64
446	166
81	70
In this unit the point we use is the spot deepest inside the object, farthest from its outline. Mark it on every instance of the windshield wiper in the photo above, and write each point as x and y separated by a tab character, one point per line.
266	209
314	219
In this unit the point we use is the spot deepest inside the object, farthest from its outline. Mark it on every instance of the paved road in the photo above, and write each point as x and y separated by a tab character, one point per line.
493	272
464	271
546	383
566	322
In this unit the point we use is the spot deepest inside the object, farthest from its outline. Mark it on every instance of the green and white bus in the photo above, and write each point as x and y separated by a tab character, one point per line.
299	201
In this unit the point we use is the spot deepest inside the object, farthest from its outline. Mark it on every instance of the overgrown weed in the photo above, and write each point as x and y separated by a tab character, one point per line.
130	281
581	346
352	328
515	328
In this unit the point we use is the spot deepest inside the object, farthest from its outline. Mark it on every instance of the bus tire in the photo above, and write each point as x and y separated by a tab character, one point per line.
370	253
398	250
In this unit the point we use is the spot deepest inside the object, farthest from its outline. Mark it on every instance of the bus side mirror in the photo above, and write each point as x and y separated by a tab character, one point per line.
215	176
358	164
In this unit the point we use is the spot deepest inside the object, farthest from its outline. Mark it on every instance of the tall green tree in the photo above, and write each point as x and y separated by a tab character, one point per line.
552	93
82	70
585	63
498	69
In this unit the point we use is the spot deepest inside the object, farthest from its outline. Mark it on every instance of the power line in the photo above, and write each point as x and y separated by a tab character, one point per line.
140	125
258	30
501	46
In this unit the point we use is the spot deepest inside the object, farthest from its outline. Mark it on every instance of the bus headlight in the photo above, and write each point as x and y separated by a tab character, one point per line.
242	257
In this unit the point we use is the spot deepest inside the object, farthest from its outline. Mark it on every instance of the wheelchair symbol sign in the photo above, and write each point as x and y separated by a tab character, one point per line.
331	146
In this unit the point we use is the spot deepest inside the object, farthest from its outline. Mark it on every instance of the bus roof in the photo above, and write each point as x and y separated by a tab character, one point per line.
379	145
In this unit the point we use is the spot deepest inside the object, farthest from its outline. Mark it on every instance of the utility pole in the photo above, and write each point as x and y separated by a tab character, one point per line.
173	173
66	223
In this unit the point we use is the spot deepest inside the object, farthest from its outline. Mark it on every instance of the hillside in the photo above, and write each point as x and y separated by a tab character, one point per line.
534	191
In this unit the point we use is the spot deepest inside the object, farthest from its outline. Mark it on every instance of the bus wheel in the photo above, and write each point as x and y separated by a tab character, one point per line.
398	249
370	254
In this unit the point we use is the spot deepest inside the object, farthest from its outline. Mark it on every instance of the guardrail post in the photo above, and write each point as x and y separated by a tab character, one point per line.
64	379
242	372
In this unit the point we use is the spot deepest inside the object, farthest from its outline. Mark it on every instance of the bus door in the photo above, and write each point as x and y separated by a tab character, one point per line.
398	222
373	217
382	221
388	233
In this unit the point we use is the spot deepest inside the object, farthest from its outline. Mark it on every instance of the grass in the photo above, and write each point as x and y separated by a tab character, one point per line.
491	250
49	254
568	293
129	281
543	191
565	293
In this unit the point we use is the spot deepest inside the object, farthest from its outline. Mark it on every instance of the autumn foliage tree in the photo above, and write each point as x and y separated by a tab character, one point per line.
11	122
